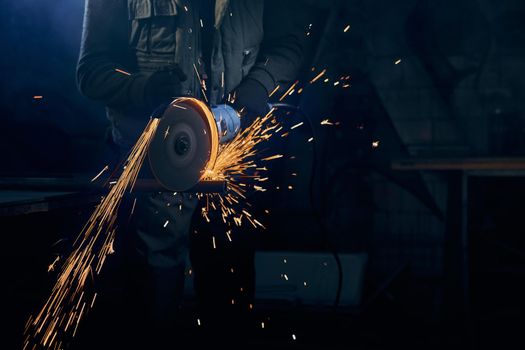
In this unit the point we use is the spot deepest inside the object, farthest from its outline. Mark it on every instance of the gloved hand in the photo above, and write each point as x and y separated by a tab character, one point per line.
163	85
251	99
228	122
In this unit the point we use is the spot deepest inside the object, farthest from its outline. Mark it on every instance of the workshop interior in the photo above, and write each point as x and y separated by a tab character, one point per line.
300	174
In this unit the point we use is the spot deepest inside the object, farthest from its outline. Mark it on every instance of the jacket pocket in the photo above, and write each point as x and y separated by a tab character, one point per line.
153	25
249	58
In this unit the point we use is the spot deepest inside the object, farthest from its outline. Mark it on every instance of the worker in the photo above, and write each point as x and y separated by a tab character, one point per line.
137	54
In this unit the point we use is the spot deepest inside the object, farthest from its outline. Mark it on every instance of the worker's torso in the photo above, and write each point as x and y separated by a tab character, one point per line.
164	32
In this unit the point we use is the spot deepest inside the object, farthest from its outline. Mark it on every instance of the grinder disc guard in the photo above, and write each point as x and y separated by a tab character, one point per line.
185	145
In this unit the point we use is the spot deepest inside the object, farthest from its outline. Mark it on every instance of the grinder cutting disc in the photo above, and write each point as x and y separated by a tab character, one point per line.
185	145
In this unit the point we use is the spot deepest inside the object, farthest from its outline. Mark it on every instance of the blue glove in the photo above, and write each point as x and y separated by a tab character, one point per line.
228	122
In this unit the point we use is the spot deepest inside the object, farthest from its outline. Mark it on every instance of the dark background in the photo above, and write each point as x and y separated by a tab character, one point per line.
458	92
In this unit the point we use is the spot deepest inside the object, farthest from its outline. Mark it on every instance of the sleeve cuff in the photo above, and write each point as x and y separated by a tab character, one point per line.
263	77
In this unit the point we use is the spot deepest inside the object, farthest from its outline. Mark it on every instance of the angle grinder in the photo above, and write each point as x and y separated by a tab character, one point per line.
186	144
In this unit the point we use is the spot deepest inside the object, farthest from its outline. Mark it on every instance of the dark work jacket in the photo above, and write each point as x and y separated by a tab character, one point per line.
142	36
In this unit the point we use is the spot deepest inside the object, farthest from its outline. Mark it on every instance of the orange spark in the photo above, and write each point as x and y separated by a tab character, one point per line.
289	90
277	156
296	125
122	72
274	91
318	76
100	173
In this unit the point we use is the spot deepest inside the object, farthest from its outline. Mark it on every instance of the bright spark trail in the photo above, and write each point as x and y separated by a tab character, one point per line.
234	165
71	298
